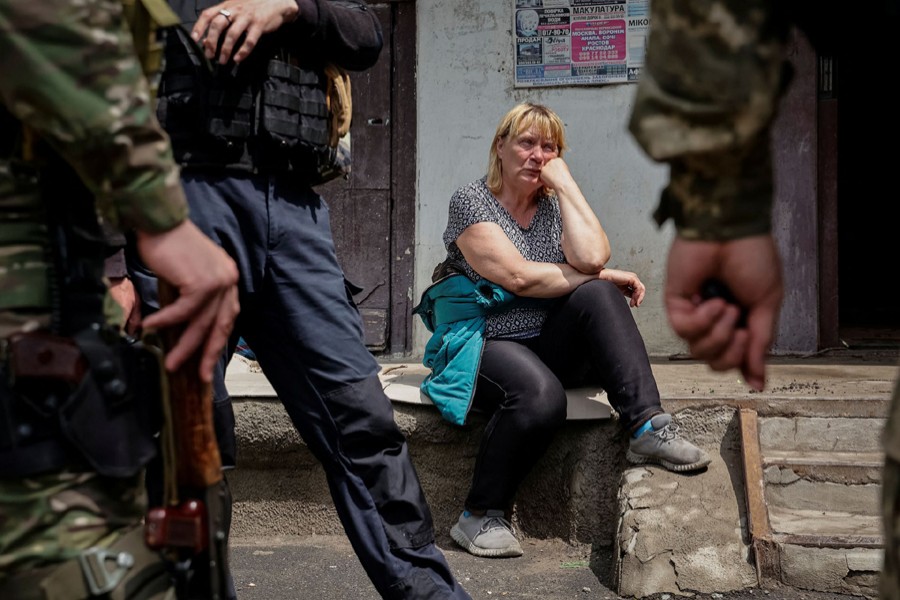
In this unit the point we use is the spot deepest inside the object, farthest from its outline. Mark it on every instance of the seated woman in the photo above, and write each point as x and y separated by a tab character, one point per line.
535	311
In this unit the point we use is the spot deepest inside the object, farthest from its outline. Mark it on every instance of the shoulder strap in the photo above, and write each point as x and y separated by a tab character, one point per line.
145	17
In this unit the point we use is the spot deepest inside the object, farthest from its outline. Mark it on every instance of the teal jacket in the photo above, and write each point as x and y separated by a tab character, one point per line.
454	310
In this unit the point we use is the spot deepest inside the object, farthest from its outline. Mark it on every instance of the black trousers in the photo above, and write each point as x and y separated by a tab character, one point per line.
589	338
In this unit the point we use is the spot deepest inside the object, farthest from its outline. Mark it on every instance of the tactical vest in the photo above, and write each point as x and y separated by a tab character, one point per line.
269	113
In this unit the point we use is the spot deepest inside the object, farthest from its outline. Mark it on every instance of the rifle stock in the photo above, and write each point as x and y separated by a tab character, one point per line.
193	524
200	465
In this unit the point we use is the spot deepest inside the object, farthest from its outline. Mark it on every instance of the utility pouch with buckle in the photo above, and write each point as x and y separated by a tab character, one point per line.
113	416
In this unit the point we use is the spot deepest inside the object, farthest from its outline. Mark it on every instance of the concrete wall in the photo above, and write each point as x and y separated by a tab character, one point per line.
465	85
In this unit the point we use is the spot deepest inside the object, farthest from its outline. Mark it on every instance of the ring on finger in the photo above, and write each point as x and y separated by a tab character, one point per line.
226	14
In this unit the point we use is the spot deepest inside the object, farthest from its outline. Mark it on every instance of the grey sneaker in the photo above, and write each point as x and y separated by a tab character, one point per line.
490	536
663	446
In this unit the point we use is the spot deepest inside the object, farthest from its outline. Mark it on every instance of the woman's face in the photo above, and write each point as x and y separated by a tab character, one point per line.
523	156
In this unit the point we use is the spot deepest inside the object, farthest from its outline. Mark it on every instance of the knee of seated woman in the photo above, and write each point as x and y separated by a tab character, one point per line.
548	407
597	295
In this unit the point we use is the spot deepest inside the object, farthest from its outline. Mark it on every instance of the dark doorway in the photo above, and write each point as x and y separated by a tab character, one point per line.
373	212
868	204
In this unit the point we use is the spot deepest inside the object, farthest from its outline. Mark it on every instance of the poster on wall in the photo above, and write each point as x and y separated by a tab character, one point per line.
579	42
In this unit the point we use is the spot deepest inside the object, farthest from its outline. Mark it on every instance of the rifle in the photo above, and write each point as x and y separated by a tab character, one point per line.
190	529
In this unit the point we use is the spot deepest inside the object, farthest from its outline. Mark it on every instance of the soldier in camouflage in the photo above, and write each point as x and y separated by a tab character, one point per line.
80	146
715	72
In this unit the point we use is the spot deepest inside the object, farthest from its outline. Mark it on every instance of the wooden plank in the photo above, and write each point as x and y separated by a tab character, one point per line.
765	553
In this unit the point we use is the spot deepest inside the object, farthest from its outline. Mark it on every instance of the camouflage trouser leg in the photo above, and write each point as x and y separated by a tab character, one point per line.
60	532
890	574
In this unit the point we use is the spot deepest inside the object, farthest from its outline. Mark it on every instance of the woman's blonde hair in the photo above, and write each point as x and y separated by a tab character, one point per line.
523	117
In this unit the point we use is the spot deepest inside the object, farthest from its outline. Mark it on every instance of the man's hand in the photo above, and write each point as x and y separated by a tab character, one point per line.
751	269
227	22
122	291
206	279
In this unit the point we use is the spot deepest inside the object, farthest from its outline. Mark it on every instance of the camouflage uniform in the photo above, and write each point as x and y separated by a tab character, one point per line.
68	71
708	114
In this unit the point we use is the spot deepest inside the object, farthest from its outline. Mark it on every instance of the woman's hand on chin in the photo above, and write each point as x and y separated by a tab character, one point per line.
555	174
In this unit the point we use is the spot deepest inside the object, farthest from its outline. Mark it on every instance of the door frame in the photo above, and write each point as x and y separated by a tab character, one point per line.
403	173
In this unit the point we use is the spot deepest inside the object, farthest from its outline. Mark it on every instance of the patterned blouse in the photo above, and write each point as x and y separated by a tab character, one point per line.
541	241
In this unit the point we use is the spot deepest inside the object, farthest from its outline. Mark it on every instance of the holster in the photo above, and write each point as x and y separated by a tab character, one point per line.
89	401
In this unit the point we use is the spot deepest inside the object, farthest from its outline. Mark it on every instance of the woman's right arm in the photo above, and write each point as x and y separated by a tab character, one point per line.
495	258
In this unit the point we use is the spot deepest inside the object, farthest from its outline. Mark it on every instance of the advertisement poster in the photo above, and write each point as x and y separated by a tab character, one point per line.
579	42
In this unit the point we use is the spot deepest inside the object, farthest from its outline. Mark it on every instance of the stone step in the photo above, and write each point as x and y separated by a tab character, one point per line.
843	570
820	434
823	460
813	487
850	468
825	527
784	487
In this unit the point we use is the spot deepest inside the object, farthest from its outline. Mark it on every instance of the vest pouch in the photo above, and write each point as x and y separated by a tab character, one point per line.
293	111
114	414
229	115
183	90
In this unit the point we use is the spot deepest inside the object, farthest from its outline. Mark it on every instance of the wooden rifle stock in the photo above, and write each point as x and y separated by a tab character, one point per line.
193	523
199	465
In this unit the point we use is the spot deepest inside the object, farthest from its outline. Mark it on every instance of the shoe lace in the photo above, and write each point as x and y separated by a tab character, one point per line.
667	433
495	523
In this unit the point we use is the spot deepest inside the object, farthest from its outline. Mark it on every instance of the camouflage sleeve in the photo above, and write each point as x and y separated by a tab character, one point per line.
68	70
708	93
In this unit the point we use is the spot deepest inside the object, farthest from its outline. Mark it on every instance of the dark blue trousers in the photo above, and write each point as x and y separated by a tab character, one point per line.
301	323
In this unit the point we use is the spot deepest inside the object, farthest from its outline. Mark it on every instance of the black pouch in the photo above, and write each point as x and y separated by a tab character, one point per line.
293	110
229	114
183	86
115	413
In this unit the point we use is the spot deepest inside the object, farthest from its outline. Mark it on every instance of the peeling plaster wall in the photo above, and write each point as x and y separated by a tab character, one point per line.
465	85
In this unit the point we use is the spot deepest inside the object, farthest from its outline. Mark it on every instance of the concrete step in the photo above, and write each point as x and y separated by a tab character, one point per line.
835	528
813	496
686	533
834	434
660	532
814	490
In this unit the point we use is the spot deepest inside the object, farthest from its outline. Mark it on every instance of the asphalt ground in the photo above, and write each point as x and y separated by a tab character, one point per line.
325	568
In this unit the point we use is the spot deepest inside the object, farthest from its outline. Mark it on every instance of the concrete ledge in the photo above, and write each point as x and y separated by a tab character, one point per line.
401	383
280	488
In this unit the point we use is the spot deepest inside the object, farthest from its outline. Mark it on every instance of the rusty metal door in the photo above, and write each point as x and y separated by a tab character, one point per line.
378	194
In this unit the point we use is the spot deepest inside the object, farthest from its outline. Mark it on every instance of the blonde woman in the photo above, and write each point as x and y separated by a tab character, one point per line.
526	245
